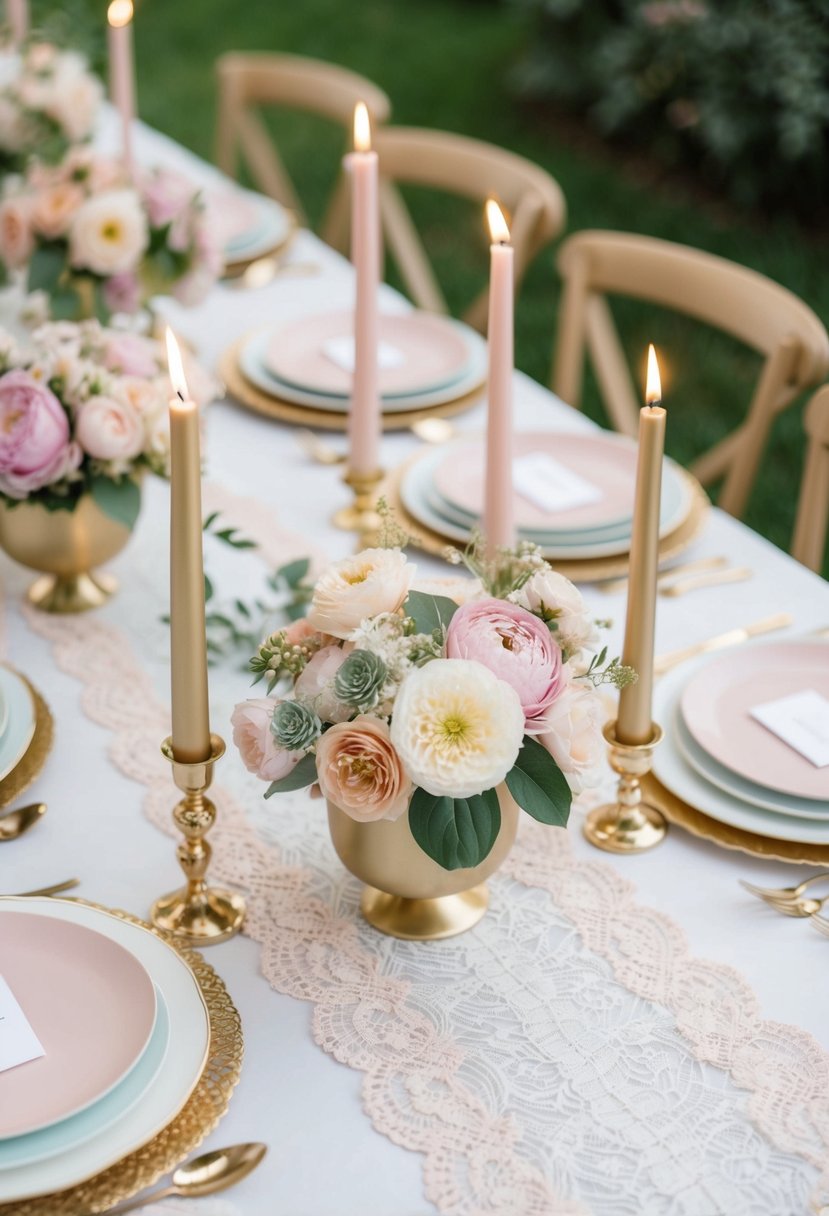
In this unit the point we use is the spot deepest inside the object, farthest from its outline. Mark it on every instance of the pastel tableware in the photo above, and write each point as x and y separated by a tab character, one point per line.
21	718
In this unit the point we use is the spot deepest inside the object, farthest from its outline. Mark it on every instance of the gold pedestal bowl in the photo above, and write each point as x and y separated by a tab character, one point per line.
66	547
407	894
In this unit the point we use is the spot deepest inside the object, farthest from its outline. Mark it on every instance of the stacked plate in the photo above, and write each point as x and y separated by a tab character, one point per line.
425	361
124	1032
719	757
249	225
573	494
17	720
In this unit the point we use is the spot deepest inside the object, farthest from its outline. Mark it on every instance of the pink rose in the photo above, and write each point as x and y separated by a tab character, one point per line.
572	734
16	239
251	721
122	293
315	685
360	772
130	354
516	646
166	194
109	430
34	435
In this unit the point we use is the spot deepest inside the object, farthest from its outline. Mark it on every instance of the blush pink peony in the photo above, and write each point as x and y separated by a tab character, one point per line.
131	355
109	430
251	721
34	435
516	647
360	772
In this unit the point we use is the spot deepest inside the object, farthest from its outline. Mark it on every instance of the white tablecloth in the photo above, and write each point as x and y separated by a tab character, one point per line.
326	1159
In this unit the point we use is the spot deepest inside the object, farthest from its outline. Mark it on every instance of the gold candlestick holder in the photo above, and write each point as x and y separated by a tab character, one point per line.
627	825
362	515
197	914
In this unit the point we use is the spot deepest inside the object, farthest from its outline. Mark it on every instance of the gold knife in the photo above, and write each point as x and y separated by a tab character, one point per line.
664	662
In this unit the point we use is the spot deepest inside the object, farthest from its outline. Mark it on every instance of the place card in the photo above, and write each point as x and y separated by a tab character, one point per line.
18	1042
341	352
550	485
801	720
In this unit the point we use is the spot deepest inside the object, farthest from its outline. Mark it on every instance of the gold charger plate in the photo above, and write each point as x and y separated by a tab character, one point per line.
702	825
247	394
194	1122
34	757
580	570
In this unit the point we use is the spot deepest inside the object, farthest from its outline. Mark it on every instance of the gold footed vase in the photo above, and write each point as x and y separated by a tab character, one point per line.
66	547
407	894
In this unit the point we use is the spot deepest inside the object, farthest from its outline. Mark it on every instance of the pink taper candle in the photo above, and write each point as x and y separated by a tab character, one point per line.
498	521
364	415
17	19
122	71
633	722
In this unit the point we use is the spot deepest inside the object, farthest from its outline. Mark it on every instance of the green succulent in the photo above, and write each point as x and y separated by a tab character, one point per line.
294	726
359	680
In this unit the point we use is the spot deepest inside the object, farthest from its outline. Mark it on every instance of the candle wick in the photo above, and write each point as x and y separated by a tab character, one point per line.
180	395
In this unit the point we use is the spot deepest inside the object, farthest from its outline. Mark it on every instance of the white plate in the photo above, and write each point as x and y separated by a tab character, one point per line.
20	726
416	491
737	786
71	1133
271	229
252	366
677	776
187	1053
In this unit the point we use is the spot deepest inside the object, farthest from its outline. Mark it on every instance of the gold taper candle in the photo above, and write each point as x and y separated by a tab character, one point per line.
634	724
188	643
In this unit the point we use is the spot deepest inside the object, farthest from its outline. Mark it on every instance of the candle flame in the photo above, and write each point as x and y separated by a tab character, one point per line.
498	227
653	390
362	128
120	13
174	362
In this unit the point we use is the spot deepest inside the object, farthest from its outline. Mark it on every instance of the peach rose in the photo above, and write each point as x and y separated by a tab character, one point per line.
54	208
360	772
251	721
16	240
350	591
573	736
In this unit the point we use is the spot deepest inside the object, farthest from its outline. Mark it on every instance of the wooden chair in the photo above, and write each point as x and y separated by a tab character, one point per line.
249	81
738	301
812	521
471	169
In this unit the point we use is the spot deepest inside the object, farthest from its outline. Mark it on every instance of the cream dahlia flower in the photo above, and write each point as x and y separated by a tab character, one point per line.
374	581
109	233
456	727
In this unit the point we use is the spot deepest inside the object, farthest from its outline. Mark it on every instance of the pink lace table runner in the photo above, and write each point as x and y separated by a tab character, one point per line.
568	1056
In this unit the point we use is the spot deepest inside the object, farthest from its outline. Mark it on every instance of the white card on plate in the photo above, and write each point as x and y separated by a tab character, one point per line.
550	485
802	721
18	1042
341	352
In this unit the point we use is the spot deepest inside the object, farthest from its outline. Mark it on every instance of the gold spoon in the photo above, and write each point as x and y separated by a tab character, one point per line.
204	1175
15	823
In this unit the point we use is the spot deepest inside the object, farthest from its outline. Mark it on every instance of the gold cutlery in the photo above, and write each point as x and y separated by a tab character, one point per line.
55	889
715	578
732	637
263	271
821	923
433	430
615	586
782	894
318	449
15	823
206	1174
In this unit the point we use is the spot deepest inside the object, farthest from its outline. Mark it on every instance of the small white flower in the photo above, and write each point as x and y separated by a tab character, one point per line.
551	593
457	727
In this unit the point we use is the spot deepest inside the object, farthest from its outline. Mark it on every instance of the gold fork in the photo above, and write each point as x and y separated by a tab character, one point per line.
788	900
664	662
821	923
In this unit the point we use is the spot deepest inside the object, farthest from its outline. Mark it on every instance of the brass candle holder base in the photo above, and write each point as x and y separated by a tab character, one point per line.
197	914
628	825
424	920
362	515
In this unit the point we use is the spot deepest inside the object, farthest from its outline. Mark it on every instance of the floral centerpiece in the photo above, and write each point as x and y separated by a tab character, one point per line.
96	243
396	700
50	103
83	413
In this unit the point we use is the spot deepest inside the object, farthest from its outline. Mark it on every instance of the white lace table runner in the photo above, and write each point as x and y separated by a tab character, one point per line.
567	1056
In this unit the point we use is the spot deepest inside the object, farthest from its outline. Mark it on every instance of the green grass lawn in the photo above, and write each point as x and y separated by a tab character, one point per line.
445	63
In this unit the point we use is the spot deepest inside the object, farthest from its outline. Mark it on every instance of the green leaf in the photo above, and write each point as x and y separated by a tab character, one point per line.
209	520
208	589
538	785
457	833
120	500
46	266
294	572
429	612
304	774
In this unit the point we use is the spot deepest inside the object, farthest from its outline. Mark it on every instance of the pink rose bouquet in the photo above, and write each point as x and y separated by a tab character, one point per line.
97	244
393	699
84	410
50	103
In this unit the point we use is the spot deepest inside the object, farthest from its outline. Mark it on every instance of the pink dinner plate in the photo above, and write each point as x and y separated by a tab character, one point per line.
233	215
433	349
90	1003
606	461
716	706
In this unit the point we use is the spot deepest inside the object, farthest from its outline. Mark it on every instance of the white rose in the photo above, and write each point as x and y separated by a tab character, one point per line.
573	736
350	591
109	430
77	97
456	727
157	439
109	233
553	595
